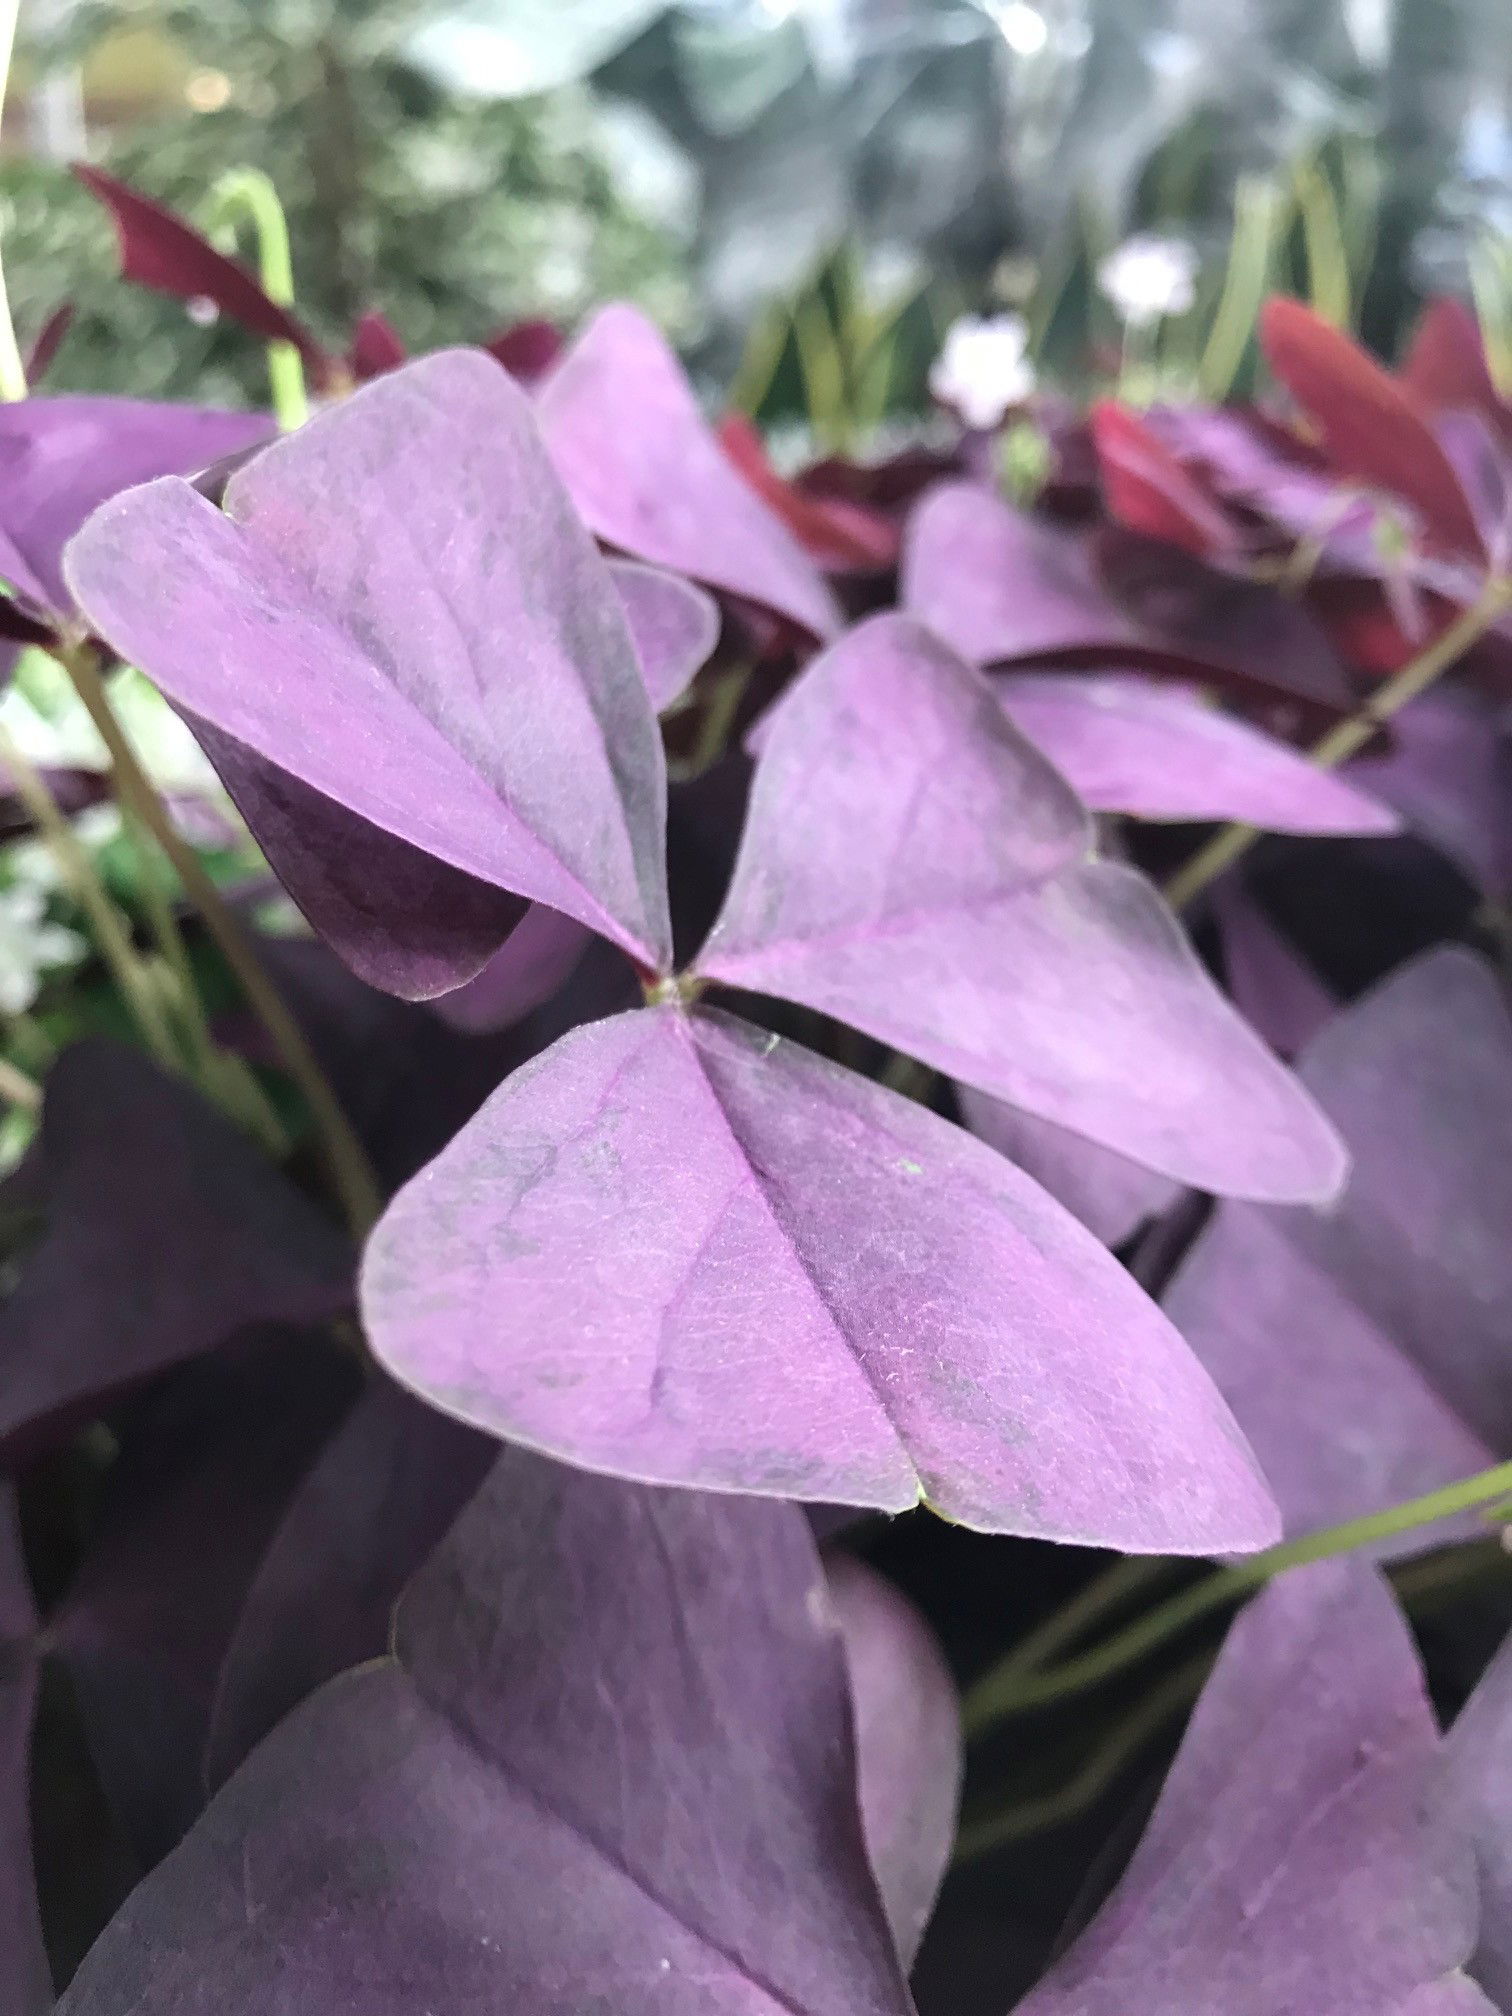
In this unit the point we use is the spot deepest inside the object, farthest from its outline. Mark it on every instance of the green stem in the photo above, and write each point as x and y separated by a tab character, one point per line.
111	931
993	1698
1349	737
1328	278
344	1155
249	192
12	369
17	1088
1020	1822
1103	1594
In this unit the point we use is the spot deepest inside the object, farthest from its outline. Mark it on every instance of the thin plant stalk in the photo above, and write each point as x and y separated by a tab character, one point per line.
18	1089
1104	1594
1258	210
112	933
251	193
345	1158
995	1697
12	368
1328	276
1349	737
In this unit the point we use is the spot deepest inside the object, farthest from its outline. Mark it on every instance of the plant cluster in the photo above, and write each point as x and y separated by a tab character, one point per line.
744	1069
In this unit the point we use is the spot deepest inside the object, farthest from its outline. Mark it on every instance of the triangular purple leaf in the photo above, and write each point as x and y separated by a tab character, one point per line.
673	625
608	1768
1271	984
140	1184
1448	771
677	1249
1129	744
908	1743
1005	588
380	1498
1368	1350
62	458
911	866
541	952
1476	1796
25	1985
399	608
1290	1867
647	472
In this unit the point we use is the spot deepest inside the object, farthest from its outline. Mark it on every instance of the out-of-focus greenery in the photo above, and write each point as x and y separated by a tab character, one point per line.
451	215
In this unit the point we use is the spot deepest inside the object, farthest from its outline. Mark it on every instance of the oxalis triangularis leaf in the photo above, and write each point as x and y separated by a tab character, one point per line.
674	1247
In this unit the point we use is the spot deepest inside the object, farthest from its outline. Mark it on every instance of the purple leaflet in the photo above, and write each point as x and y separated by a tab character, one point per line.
165	1233
608	1772
1004	588
209	1461
1111	1195
1368	1351
61	458
1448	771
908	1743
911	866
419	648
1476	1789
381	1497
1290	1867
678	1249
1271	984
673	626
647	472
539	954
1129	744
25	1986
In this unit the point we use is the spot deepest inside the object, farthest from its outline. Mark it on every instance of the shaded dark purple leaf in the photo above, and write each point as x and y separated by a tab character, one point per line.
1131	744
609	1769
526	349
1368	1350
1448	771
160	250
25	1985
209	1461
527	969
1272	985
380	1498
908	1743
47	342
1111	1195
1004	588
165	1233
412	624
1475	1795
914	868
61	458
647	472
678	1249
1290	1867
1147	489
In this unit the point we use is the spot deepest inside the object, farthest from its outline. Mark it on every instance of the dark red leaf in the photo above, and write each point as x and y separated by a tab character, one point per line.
161	251
1446	366
376	347
46	341
837	533
1148	490
528	349
1374	428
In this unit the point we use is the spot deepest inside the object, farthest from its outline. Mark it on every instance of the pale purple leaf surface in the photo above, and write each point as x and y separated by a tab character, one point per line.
608	1769
25	1987
680	1250
673	626
1111	1195
1271	984
61	458
1476	1794
399	609
1448	771
647	472
380	1497
141	1185
1368	1350
909	1752
1130	744
535	959
1290	1867
913	867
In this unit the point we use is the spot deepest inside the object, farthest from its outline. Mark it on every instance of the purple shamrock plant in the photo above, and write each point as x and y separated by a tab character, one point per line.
726	1262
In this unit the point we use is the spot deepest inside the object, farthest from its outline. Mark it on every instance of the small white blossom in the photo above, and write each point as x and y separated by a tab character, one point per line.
30	944
1150	277
983	368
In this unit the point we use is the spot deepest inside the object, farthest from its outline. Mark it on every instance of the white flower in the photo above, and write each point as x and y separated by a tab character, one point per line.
983	368
1150	277
29	944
